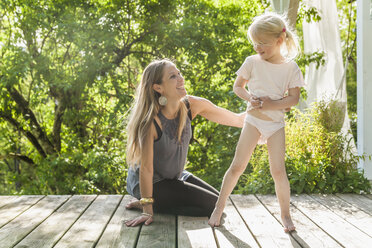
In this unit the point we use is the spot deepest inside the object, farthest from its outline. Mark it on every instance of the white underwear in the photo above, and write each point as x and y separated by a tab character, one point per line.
266	128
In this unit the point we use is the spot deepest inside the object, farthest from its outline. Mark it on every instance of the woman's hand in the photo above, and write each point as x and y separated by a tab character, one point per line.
143	218
266	103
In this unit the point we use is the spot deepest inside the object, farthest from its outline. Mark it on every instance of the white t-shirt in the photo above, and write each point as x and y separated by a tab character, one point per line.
272	80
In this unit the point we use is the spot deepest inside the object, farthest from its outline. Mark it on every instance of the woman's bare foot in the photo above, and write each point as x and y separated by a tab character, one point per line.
134	204
288	225
215	219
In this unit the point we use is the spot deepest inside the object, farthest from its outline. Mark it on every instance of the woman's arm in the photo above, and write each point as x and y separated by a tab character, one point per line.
145	179
284	103
147	169
205	108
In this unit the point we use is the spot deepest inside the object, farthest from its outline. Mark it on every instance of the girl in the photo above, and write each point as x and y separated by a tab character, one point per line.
159	132
269	75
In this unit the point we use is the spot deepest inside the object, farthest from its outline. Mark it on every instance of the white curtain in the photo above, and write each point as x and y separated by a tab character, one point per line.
328	81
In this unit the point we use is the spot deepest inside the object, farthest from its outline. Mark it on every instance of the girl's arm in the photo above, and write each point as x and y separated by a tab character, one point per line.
240	90
145	179
205	108
284	103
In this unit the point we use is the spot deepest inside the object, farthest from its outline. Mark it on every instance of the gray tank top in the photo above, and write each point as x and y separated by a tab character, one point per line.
169	155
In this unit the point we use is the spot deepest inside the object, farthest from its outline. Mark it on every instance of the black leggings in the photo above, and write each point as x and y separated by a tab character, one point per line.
192	197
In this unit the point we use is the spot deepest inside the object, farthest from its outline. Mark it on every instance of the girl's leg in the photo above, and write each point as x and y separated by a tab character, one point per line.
183	198
276	149
244	149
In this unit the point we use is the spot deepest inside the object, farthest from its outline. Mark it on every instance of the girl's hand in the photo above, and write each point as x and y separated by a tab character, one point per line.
287	109
143	218
255	102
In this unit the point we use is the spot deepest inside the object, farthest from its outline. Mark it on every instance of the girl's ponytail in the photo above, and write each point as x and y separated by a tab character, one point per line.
291	43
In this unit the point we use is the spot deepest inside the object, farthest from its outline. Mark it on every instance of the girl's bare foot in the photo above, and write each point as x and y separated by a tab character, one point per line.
134	204
215	219
288	225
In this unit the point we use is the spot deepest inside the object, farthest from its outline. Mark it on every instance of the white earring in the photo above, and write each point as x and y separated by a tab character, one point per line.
163	100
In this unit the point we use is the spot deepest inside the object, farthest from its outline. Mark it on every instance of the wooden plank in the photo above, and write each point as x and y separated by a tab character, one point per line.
194	232
345	233
233	232
266	229
12	209
88	228
6	199
368	196
307	233
117	234
359	201
52	229
160	234
17	229
348	212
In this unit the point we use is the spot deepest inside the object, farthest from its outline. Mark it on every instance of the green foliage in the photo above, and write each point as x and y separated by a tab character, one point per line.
308	13
68	71
306	59
213	147
347	25
319	158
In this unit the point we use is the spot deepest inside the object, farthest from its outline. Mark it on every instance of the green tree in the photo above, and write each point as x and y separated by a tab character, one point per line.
347	25
67	75
69	69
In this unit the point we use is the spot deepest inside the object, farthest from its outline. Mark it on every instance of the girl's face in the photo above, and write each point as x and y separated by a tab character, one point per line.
268	48
173	84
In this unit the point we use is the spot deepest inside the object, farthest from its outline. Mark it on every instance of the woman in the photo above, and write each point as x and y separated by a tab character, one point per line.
159	132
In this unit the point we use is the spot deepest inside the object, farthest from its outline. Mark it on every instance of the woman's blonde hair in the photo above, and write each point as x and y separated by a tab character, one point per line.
274	25
145	107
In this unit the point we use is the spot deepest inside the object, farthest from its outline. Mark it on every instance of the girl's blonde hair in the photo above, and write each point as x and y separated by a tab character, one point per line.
145	107
274	25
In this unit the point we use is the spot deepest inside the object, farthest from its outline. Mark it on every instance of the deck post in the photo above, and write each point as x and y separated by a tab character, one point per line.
364	83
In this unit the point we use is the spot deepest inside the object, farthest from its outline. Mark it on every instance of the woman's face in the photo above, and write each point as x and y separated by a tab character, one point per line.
173	84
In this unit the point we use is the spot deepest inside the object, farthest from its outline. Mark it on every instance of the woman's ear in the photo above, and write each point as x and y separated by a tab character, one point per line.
157	88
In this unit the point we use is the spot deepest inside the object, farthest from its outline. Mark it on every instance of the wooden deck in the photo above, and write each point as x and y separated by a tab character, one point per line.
250	221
